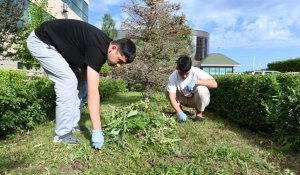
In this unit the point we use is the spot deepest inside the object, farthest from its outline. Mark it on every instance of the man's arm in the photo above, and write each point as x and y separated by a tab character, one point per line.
94	97
208	83
174	103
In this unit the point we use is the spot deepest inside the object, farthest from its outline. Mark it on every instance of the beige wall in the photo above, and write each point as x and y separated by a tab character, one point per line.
55	9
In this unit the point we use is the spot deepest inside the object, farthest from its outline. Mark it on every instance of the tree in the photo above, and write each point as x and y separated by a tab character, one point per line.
10	17
161	36
108	26
36	15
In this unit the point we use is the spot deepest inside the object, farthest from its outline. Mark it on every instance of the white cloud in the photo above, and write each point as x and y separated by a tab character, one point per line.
231	23
244	23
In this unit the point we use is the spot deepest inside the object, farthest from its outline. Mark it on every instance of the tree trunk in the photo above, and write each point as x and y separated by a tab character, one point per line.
147	92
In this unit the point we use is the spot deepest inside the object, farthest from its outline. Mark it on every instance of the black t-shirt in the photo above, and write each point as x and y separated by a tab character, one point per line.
80	43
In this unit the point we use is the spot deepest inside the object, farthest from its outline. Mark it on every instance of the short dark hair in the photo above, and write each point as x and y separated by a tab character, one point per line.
184	63
127	48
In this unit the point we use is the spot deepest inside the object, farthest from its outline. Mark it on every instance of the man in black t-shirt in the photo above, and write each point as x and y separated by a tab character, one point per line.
65	46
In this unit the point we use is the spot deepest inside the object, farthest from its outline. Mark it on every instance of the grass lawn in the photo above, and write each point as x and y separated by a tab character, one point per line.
215	146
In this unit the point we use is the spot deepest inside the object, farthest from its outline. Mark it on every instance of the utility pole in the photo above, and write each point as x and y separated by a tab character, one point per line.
253	63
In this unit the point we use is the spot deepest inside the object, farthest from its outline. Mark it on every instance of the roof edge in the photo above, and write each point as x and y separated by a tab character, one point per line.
234	65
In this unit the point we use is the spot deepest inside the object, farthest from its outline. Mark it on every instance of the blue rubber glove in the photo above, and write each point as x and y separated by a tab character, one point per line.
182	116
191	86
97	139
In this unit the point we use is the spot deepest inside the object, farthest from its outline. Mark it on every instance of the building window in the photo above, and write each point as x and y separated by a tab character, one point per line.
229	70
218	70
205	69
80	7
222	70
201	48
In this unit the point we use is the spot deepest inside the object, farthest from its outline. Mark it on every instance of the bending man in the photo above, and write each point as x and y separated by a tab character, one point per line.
65	46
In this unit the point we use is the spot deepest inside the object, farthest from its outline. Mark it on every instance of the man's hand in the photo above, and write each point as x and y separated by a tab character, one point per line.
182	116
97	139
191	86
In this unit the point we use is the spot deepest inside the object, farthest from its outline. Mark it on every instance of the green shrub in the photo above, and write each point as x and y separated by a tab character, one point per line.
269	104
284	111
24	101
27	101
105	70
109	87
291	65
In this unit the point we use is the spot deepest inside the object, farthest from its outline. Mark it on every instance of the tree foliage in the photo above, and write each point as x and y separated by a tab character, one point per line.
290	65
36	15
161	35
109	26
10	16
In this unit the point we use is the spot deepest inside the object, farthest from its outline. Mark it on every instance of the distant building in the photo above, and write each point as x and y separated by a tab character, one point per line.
200	43
218	64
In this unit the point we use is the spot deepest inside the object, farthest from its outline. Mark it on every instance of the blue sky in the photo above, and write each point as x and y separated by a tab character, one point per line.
267	30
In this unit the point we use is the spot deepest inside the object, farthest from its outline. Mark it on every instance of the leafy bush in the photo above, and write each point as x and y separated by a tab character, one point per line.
27	101
109	87
284	112
269	104
105	70
24	101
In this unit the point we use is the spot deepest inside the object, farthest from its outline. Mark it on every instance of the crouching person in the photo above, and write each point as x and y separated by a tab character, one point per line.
189	86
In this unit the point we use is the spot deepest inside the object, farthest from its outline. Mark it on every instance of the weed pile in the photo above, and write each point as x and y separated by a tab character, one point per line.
143	120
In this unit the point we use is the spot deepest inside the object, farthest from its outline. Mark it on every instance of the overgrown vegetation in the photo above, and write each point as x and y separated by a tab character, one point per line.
144	120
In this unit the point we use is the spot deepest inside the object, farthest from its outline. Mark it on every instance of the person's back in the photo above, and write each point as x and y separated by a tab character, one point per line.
77	41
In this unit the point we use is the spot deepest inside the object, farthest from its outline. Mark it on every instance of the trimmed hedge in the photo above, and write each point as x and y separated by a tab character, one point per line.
291	65
28	101
269	104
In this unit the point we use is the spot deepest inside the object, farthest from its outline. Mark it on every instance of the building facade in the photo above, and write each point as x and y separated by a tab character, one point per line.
68	9
200	44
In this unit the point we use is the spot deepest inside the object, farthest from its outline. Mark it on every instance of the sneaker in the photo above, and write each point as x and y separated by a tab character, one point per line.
80	128
198	119
68	139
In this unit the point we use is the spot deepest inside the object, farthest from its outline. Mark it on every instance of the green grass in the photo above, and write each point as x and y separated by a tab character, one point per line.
215	146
